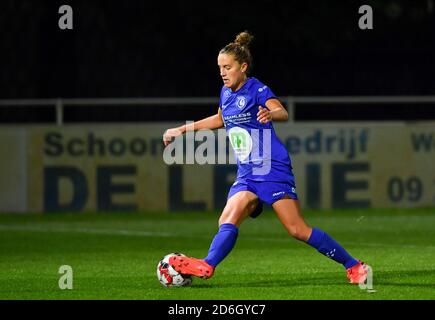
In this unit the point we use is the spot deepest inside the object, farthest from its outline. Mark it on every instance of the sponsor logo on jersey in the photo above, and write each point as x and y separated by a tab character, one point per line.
241	142
262	89
278	193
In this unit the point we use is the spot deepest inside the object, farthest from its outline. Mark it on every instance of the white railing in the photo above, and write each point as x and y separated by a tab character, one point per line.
290	101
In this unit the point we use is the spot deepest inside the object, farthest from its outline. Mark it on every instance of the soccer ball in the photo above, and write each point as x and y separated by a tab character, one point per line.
167	275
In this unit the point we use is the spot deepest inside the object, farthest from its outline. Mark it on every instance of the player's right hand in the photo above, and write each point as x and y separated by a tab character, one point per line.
170	135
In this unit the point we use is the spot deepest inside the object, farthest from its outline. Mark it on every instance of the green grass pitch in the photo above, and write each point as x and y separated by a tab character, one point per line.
114	256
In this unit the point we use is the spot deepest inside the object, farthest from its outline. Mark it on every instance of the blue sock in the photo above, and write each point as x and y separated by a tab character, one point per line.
222	244
327	246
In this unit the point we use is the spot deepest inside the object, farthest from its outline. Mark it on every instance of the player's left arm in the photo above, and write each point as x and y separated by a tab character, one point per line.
275	111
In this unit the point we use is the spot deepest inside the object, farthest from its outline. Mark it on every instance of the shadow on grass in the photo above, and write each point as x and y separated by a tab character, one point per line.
285	280
406	278
402	278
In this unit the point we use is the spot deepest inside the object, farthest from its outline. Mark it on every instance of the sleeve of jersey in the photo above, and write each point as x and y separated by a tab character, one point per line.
264	94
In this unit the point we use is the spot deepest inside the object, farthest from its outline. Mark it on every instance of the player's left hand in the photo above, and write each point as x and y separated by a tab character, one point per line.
170	134
264	116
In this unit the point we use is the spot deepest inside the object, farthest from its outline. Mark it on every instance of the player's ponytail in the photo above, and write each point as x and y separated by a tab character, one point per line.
244	39
240	48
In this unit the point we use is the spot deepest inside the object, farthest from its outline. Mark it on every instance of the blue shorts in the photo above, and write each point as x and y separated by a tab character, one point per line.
267	192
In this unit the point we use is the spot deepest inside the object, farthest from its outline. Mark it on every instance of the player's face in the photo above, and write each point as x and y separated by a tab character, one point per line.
231	71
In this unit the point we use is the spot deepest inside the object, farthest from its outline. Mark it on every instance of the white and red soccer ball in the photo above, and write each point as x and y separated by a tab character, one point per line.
168	276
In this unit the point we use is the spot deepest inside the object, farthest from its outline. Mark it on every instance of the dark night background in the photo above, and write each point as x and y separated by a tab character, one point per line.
169	48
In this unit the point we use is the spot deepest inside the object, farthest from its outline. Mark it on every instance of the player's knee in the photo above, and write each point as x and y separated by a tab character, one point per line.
222	220
297	232
229	217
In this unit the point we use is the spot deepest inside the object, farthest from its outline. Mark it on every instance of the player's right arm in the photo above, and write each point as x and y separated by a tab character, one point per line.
212	122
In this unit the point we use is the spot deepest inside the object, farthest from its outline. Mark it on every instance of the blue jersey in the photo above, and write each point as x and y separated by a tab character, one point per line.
261	156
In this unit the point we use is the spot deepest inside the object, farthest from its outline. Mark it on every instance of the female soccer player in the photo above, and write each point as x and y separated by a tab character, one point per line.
247	108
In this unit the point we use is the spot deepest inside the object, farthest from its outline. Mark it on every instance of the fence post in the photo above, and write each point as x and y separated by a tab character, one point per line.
290	109
59	112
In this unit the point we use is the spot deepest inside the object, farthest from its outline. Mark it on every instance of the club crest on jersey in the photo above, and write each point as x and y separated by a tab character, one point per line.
241	102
